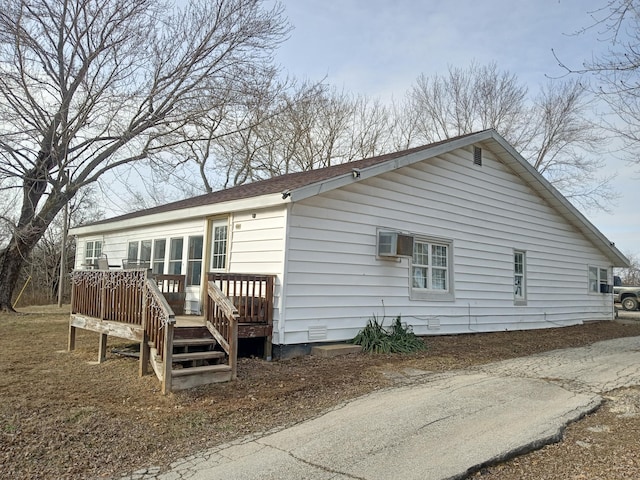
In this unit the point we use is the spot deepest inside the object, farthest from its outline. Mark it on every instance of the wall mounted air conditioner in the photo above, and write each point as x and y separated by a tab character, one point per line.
394	244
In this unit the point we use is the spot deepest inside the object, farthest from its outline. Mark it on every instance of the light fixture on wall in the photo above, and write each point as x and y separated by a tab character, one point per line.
285	194
355	172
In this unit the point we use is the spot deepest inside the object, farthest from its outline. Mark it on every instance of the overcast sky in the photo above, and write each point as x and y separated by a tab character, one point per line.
379	47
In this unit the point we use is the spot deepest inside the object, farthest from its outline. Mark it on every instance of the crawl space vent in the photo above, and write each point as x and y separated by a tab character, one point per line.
433	324
318	332
477	156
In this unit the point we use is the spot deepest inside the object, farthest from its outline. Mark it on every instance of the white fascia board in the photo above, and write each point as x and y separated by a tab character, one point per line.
172	216
551	194
388	166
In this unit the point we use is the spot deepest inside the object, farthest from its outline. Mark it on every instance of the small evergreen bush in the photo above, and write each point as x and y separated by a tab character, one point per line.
375	338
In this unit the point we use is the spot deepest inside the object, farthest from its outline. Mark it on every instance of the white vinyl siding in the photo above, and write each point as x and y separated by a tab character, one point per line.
334	280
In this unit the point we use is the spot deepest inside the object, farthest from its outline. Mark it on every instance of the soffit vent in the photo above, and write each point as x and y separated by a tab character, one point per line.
477	156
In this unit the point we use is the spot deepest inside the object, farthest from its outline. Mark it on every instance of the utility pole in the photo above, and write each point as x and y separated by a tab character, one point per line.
63	256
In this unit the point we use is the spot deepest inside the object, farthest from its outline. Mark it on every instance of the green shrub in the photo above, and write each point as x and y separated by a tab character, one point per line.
375	338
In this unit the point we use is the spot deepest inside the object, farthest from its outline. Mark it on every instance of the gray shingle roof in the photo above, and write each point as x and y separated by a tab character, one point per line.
278	184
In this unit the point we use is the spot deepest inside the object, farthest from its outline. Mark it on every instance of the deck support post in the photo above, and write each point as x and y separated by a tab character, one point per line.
167	360
145	352
144	344
268	348
102	349
71	344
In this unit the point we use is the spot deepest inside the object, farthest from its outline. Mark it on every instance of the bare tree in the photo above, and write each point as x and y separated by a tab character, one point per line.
291	127
563	144
617	70
87	86
467	100
552	130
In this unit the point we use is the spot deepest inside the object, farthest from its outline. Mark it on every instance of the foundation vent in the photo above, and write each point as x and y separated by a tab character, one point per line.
318	332
433	324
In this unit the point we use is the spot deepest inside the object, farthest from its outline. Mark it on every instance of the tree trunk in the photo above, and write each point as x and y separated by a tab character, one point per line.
30	229
12	261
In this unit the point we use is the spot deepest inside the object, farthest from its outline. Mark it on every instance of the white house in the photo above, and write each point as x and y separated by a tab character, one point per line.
455	237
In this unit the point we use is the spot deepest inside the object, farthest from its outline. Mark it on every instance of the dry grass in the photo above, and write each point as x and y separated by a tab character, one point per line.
63	416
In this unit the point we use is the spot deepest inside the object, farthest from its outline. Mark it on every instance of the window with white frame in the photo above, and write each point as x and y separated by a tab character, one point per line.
519	278
598	277
219	246
92	251
139	251
159	250
194	260
175	256
431	269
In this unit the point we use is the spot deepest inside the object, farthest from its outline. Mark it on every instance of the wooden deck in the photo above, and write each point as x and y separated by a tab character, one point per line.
184	350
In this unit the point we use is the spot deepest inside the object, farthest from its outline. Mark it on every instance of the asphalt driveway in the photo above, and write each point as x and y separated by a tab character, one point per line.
430	426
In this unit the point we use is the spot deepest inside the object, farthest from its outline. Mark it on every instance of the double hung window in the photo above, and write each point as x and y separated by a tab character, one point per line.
218	246
175	256
92	251
431	270
597	278
194	260
519	277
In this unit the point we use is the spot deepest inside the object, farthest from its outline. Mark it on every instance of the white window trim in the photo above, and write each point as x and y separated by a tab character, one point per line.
215	224
520	300
93	259
434	295
193	261
599	280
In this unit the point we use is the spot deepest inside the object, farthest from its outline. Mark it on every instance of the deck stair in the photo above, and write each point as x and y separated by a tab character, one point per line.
195	360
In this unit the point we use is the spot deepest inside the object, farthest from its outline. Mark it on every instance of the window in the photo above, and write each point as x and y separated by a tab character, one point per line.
519	280
132	252
219	247
431	270
159	250
92	251
603	279
139	251
145	251
597	278
194	260
175	256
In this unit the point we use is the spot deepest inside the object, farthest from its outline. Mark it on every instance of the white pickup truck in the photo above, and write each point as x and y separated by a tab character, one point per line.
627	296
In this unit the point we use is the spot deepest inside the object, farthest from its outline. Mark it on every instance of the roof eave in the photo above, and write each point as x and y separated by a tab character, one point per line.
184	214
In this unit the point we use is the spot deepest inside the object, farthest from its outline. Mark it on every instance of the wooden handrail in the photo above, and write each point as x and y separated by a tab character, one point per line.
222	322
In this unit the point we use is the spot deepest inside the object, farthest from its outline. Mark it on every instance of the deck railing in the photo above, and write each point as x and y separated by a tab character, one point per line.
109	295
252	295
129	297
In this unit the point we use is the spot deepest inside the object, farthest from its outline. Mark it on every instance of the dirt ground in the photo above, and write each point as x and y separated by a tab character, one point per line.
64	417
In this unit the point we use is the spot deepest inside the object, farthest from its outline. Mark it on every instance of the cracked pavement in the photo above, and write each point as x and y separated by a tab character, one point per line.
429	426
